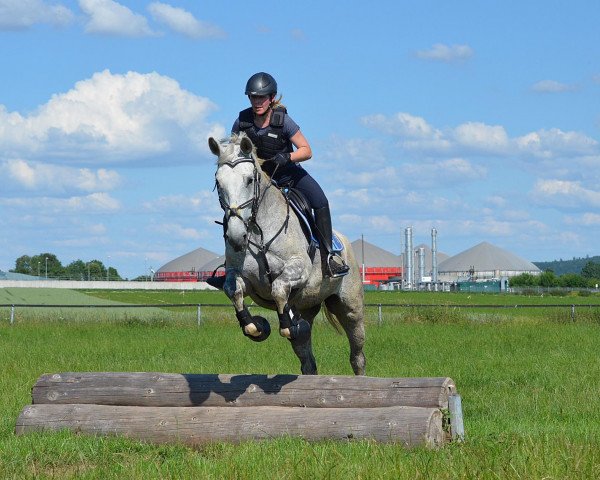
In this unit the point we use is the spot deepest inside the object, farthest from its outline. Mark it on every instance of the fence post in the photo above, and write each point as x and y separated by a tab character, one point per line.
199	315
573	312
380	315
12	314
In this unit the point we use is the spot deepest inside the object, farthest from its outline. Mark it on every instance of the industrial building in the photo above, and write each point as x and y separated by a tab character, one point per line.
187	268
483	267
484	262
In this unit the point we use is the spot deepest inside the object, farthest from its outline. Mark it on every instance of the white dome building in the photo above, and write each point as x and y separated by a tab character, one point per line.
484	262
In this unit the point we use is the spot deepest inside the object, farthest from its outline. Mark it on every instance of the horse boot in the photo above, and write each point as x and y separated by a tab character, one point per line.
334	263
216	282
253	324
297	327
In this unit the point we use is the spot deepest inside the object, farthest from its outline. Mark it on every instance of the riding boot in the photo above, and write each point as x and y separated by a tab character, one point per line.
334	263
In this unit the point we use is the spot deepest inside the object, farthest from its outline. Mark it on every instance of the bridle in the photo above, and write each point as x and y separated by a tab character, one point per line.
254	203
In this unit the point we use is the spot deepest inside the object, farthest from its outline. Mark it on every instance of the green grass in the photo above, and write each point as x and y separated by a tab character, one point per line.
530	392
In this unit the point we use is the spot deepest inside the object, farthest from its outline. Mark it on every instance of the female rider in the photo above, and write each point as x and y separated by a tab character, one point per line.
275	135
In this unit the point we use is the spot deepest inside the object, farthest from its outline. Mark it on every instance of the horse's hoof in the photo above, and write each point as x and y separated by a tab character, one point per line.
261	325
300	331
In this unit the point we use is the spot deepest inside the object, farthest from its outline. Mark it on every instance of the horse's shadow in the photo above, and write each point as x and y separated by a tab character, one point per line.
201	386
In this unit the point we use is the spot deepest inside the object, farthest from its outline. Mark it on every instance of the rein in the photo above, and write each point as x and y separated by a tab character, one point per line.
254	203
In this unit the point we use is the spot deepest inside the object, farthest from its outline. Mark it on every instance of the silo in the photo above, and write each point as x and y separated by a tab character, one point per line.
408	259
434	268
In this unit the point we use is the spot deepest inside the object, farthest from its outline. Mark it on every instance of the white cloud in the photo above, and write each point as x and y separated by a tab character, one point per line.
44	178
552	86
113	118
177	231
21	14
564	194
481	137
93	203
554	142
107	17
443	172
204	202
417	135
182	21
446	53
587	219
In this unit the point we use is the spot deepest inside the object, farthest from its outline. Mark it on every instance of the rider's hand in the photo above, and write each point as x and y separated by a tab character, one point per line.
281	159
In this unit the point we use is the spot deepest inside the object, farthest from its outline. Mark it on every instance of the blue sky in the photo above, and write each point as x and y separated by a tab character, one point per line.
478	118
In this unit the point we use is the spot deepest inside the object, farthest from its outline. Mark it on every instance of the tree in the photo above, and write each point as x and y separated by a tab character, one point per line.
39	265
548	279
524	280
591	270
572	280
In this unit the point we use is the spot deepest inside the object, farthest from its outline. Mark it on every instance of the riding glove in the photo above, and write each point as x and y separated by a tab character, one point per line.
281	159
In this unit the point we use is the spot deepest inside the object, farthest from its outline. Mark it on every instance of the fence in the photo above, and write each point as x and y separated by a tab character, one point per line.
379	306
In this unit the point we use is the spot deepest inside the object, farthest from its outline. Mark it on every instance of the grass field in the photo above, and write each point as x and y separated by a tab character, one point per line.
530	381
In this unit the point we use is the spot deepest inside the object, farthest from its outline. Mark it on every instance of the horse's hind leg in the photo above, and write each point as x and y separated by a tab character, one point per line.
303	350
349	312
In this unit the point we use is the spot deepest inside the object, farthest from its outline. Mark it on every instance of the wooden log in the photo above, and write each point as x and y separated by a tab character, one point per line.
409	426
182	390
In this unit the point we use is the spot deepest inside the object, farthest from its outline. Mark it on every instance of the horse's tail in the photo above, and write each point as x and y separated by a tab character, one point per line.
332	319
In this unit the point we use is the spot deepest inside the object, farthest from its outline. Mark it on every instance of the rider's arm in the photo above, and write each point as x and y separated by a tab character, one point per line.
303	151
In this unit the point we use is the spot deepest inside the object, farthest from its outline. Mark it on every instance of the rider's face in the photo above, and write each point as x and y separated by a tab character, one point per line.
260	103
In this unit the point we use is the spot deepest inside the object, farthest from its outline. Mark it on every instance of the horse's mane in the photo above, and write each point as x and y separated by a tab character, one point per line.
229	150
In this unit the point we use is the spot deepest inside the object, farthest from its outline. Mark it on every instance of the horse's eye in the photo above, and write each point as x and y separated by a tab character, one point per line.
248	181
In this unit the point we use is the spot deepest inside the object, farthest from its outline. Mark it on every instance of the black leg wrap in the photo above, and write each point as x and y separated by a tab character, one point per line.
261	324
299	328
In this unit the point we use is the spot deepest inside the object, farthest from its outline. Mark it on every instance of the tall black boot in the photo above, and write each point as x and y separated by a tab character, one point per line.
335	265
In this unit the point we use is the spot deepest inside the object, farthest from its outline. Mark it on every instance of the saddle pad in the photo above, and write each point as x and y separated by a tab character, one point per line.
337	244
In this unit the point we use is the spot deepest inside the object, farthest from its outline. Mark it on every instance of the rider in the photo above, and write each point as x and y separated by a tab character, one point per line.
275	135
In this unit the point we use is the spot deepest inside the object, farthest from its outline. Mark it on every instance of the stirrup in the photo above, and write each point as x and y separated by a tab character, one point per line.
335	269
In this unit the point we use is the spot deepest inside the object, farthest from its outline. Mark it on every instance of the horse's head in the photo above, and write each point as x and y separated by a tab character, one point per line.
238	183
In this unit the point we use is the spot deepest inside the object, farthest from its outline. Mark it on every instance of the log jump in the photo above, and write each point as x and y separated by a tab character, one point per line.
199	408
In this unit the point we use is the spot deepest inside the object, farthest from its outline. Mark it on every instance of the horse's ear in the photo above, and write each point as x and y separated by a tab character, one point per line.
214	146
246	145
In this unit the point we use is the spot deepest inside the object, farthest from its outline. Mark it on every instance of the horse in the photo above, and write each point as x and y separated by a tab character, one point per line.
268	258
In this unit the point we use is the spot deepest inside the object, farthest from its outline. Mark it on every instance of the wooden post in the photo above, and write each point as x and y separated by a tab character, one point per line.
12	314
198	408
379	315
409	426
226	390
457	427
199	316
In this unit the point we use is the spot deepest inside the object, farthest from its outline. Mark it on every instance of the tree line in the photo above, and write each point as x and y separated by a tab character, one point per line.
47	265
589	278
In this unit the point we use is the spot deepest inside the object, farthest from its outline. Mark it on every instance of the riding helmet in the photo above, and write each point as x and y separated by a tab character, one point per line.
261	83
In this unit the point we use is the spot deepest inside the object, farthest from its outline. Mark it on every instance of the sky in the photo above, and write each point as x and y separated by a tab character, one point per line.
479	118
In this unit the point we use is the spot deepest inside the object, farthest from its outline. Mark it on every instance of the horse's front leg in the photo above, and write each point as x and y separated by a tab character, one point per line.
254	327
291	325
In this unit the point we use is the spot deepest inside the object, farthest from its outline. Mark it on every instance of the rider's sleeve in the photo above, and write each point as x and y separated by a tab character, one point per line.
290	128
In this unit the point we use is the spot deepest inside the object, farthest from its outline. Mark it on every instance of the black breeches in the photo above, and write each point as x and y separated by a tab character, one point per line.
310	188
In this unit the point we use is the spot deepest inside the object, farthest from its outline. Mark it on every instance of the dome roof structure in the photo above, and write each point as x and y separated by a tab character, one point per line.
374	256
190	262
485	257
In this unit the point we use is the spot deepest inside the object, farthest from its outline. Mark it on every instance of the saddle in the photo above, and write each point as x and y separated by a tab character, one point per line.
304	212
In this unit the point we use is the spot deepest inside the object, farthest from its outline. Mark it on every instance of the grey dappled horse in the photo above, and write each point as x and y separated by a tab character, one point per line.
267	259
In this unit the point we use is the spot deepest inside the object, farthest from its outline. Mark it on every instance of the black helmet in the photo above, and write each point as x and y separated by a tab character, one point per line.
261	83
